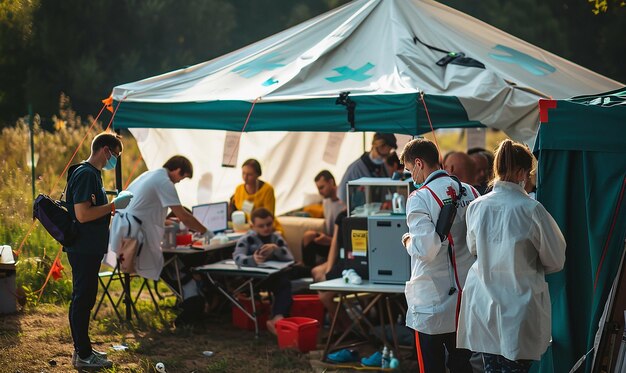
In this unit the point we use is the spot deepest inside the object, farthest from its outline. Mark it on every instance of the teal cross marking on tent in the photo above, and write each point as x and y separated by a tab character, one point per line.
528	63
269	82
346	73
263	63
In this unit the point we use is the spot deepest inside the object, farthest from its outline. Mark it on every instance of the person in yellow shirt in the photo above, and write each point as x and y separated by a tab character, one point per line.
254	193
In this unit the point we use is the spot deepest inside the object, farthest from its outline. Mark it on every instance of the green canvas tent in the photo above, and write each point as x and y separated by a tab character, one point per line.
386	54
581	149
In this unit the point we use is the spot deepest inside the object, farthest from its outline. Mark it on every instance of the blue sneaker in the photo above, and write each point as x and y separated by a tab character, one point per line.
374	360
343	356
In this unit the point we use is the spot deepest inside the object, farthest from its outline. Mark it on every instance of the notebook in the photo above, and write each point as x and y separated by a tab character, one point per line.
214	216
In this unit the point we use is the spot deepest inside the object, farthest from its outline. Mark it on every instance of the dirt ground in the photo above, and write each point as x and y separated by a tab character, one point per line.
38	340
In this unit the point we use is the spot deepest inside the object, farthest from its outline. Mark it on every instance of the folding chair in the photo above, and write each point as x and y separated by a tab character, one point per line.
117	275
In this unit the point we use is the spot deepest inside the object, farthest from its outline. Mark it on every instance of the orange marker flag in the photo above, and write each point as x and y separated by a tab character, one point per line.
56	269
108	102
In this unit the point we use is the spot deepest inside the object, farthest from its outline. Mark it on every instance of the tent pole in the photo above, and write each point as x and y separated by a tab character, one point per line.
364	150
126	284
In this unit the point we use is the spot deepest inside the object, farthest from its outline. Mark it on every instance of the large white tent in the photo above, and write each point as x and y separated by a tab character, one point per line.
389	55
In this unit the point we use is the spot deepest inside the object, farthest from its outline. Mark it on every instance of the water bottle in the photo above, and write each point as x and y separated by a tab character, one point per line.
393	362
386	359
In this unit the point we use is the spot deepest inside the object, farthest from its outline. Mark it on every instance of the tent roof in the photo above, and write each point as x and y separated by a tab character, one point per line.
385	54
368	47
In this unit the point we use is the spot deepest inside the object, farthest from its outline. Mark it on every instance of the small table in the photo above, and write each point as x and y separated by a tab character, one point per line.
381	292
228	267
189	250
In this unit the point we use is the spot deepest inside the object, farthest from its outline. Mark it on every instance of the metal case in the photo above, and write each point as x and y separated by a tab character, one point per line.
389	263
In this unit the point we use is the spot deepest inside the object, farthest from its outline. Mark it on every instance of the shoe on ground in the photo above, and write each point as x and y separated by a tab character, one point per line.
343	356
92	361
374	360
95	352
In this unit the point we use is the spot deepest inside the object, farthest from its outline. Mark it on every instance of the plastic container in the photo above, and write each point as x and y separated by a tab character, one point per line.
8	301
308	305
242	321
169	237
239	221
299	333
183	239
6	255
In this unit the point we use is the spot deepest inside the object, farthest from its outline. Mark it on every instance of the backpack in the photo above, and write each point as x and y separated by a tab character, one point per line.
55	217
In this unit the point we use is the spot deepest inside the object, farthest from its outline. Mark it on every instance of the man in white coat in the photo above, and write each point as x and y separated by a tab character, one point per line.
439	261
144	217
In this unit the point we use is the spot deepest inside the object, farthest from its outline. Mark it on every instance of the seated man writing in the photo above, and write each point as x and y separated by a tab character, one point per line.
260	245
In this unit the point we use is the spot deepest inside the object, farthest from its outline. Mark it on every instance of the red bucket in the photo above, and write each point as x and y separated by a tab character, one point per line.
242	321
297	332
308	305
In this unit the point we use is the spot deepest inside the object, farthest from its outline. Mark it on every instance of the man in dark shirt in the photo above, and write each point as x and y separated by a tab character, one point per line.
90	209
370	164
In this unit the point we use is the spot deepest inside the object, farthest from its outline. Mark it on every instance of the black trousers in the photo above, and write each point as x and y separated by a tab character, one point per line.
431	353
85	270
500	364
310	252
280	286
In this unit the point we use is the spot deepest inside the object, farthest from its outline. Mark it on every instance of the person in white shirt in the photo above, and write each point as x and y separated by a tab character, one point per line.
316	243
505	311
439	259
144	217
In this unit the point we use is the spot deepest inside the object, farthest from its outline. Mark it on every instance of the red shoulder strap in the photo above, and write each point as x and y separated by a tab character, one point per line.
439	202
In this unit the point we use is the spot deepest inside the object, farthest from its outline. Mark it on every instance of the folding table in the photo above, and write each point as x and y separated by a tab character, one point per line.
174	254
381	296
229	268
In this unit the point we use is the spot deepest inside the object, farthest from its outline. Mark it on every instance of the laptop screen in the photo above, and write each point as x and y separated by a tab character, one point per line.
214	216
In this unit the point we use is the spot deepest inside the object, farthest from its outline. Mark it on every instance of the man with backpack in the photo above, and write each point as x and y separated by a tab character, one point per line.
88	205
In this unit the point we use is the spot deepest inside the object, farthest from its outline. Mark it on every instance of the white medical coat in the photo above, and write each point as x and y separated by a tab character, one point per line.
153	192
506	304
431	309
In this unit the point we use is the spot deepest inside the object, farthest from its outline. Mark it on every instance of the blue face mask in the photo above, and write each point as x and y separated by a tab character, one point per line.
418	185
111	163
377	161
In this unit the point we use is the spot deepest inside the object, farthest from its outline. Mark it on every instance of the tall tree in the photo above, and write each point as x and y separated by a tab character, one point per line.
16	20
86	48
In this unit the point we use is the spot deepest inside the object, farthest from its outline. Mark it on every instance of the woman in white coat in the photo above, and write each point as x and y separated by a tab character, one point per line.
505	310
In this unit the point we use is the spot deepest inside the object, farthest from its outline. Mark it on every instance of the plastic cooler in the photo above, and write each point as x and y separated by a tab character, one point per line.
297	332
308	305
242	321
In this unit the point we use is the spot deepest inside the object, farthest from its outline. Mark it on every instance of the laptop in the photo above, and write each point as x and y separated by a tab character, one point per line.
214	216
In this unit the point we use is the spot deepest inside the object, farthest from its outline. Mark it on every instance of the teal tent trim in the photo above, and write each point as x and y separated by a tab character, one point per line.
390	113
581	182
